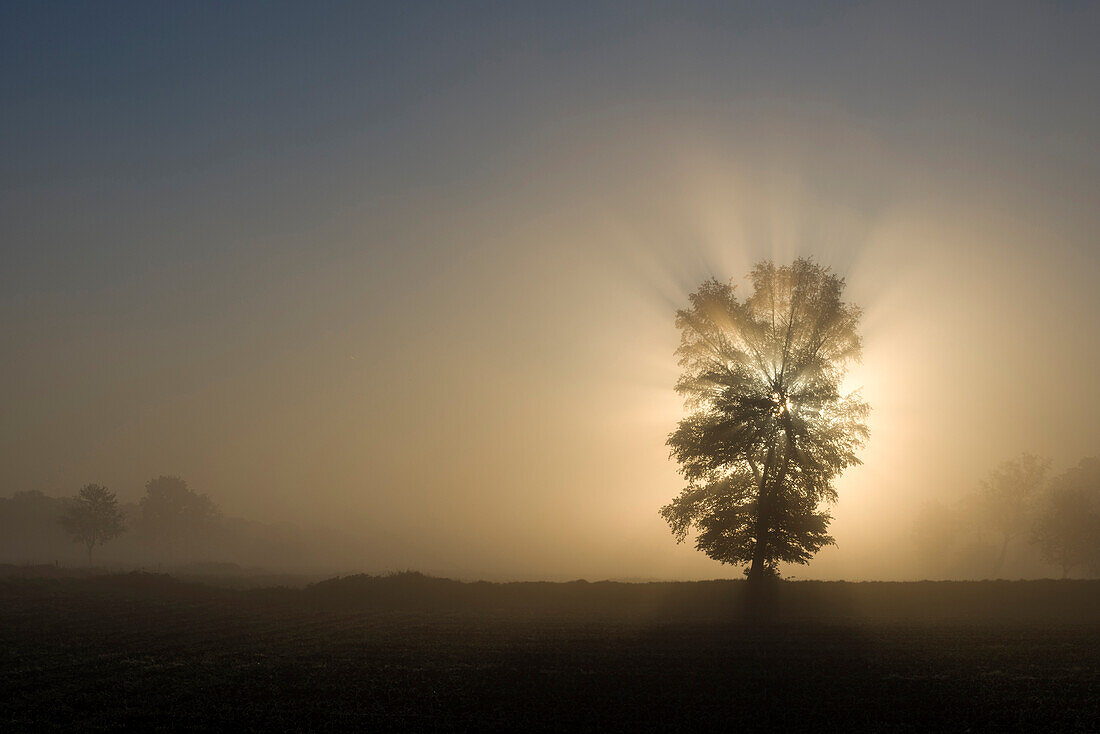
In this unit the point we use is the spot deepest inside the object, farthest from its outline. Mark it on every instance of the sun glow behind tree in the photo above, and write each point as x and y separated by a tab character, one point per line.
768	430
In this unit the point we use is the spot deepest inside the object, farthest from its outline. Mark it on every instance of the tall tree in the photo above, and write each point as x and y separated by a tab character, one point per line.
1068	527
768	429
1007	499
94	517
172	513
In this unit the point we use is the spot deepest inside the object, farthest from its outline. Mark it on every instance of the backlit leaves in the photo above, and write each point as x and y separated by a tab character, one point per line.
768	429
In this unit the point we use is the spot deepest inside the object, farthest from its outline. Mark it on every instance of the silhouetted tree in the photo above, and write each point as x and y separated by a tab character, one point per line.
769	429
172	512
94	517
1068	527
1007	499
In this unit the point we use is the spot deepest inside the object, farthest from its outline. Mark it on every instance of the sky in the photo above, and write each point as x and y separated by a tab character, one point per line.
405	274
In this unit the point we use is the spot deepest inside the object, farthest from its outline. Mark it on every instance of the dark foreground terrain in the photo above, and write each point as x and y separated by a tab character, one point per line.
145	651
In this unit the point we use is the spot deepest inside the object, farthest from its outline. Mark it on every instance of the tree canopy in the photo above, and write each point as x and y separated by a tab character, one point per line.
172	512
767	429
1068	526
1007	498
94	517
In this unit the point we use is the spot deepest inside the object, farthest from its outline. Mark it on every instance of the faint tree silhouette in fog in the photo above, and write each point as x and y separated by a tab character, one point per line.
172	513
1068	527
768	429
1007	500
94	517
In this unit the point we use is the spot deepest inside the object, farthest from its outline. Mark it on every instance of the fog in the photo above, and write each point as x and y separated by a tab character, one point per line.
405	280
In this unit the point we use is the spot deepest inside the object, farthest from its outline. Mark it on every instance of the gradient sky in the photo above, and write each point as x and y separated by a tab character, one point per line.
407	273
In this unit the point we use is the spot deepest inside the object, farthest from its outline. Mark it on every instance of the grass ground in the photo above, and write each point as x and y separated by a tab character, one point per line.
149	652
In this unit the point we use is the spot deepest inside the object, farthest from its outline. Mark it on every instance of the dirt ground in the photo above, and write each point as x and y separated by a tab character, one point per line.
152	653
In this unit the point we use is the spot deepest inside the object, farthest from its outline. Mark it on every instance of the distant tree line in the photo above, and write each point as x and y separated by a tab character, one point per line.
1019	521
171	524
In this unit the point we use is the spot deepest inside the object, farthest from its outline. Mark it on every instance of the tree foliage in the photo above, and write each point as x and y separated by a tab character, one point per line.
171	512
1045	521
94	517
1068	526
1006	499
768	429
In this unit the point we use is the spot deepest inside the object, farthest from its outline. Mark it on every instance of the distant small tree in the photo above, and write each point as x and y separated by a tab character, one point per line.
1068	527
1006	500
172	512
94	517
768	429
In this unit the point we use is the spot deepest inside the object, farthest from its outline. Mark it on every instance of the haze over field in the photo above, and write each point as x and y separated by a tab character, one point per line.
406	277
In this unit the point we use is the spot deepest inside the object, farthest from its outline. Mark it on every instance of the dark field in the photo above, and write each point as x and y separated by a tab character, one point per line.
144	651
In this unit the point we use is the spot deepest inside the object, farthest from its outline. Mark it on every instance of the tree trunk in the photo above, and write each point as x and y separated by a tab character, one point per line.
90	546
756	569
759	551
759	566
763	518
